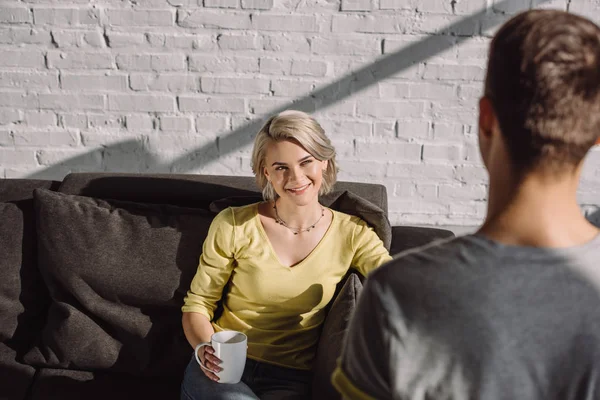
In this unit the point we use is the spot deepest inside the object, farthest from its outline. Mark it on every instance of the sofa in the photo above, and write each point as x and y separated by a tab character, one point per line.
94	268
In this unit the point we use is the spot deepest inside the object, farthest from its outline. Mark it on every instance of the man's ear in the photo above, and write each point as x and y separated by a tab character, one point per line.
598	141
487	117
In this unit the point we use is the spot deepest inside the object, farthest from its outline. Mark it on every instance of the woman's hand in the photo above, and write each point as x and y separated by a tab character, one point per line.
206	355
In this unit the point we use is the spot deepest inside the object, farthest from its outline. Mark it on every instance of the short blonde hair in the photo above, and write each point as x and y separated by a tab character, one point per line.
299	127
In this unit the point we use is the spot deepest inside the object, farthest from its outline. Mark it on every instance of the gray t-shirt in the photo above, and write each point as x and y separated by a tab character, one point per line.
470	318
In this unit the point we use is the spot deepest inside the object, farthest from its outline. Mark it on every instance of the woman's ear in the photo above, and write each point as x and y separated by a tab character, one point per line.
266	173
325	165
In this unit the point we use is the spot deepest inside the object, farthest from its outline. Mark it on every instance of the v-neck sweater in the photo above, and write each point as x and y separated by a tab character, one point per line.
280	308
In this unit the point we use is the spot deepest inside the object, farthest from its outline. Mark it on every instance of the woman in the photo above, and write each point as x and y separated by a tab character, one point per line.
281	259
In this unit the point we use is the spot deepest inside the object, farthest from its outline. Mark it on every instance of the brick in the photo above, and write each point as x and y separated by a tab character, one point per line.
6	138
164	82
40	118
141	102
66	38
462	192
390	109
454	72
426	190
29	79
446	24
355	170
50	138
440	152
220	64
470	93
346	128
105	121
285	23
356	5
291	88
66	16
394	90
371	23
491	22
94	82
78	60
421	172
408	5
275	66
309	68
585	7
431	48
151	62
257	4
211	104
455	111
124	39
471	174
55	101
75	158
351	46
263	107
16	157
286	43
474	51
22	59
182	143
137	123
509	7
19	100
76	121
413	129
432	91
213	20
341	108
210	124
239	42
447	131
15	15
176	124
395	150
234	85
385	129
10	116
24	35
221	3
418	206
121	17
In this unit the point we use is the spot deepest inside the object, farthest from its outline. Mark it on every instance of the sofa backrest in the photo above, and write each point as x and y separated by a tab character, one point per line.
188	190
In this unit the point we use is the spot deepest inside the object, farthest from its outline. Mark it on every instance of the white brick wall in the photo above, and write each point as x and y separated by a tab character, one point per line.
181	86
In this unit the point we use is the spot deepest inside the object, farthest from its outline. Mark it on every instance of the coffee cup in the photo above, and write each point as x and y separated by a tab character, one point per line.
231	348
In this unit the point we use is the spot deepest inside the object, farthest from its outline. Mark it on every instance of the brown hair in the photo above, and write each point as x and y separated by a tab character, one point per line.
543	80
300	128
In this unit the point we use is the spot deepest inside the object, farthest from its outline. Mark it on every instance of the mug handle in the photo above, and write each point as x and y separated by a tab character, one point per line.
198	359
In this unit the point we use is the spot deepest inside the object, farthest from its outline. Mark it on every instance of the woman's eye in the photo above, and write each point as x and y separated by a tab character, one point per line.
307	162
279	168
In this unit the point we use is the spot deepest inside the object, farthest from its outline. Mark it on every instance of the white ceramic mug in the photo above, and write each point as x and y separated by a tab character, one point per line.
230	347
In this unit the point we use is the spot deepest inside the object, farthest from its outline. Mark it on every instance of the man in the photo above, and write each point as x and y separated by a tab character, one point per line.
512	311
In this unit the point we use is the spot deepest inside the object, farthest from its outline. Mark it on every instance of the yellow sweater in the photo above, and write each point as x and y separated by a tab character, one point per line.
279	308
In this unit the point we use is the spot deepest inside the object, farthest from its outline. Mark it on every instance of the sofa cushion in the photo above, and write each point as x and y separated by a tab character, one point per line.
117	273
15	378
61	384
330	343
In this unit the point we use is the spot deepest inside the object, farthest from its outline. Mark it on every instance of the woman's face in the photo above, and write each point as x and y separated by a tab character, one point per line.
294	173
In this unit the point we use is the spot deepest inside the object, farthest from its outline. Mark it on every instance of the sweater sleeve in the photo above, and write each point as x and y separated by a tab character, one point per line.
369	251
215	266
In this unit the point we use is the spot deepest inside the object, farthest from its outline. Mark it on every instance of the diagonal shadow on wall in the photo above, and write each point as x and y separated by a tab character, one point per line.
134	156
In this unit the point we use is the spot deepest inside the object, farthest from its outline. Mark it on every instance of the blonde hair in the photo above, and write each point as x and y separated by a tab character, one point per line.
303	129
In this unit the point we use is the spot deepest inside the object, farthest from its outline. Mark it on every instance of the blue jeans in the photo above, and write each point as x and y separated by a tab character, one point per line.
259	381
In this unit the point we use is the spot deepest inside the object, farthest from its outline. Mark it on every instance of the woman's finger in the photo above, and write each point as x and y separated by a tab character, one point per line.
211	375
213	359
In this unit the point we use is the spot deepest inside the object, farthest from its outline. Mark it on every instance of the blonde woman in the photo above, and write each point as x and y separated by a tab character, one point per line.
281	259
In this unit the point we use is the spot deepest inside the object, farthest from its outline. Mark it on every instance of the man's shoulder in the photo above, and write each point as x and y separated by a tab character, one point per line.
436	257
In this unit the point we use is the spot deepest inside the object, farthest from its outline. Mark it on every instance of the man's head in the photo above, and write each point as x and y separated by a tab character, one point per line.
542	91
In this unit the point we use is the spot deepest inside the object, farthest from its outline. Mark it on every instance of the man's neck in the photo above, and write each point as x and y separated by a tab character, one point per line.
539	212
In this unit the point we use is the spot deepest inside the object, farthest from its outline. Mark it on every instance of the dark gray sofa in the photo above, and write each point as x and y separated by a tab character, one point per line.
93	271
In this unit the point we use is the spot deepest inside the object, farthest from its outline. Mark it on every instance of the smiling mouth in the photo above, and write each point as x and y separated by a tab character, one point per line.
299	190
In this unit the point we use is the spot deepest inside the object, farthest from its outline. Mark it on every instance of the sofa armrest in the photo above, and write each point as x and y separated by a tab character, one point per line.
407	237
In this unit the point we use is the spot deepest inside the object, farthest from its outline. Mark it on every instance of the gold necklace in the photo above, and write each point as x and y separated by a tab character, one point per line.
296	230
